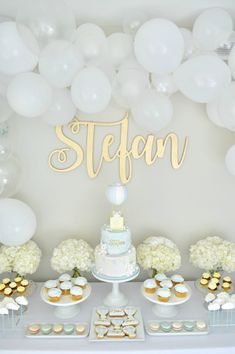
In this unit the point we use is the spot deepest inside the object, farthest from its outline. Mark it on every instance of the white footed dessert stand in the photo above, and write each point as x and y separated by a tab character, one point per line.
116	298
166	309
66	307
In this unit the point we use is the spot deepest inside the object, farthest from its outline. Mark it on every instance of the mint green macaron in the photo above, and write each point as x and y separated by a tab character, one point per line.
68	328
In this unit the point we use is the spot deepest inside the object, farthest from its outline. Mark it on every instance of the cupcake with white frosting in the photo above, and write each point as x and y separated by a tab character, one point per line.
166	283
163	294
64	277
54	294
49	284
150	286
80	281
177	279
76	293
181	290
65	287
159	277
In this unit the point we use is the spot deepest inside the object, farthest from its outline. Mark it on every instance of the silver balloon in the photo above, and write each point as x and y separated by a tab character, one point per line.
10	173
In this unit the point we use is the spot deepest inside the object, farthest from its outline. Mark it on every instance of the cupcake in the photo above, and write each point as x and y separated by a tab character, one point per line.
54	294
65	287
177	279
76	293
159	277
49	284
206	276
203	283
226	286
13	285
7	292
163	294
150	286
18	280
24	283
180	290
166	283
216	275
80	281
20	290
64	277
6	281
215	280
212	286
227	279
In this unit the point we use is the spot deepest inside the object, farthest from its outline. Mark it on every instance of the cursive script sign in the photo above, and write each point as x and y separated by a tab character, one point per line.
149	148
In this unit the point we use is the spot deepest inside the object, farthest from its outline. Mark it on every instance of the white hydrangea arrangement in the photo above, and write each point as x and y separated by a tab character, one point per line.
72	255
213	253
159	254
23	259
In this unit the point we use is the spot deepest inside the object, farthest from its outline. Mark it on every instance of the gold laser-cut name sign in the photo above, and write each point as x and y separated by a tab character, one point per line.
151	148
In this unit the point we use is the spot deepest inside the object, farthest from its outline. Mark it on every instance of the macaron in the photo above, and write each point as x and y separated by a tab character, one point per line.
154	326
68	328
177	326
188	325
58	328
46	328
165	326
80	329
34	328
201	325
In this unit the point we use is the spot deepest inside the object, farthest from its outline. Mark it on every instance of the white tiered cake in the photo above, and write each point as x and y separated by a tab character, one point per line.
115	256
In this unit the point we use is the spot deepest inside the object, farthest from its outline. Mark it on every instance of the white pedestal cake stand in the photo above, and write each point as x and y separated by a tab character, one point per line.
166	309
66	307
116	298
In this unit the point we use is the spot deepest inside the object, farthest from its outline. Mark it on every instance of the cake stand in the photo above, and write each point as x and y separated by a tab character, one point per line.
166	309
116	298
66	307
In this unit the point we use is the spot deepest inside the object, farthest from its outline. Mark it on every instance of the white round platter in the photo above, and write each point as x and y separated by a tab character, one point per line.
166	309
206	290
66	307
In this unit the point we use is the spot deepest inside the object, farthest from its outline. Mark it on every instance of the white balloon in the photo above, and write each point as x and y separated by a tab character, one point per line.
133	20
116	193
5	110
91	40
129	85
17	222
5	147
153	112
16	55
231	62
91	90
29	95
59	62
189	45
211	28
202	78
48	19
159	46
230	160
213	114
226	107
164	83
119	47
62	110
10	175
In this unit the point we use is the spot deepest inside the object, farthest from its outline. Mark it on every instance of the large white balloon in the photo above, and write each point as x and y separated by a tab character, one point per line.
202	78
231	61
91	40
18	49
211	28
230	160
129	85
59	62
48	19
133	20
159	46
29	95
226	107
164	83
5	110
10	175
17	222
213	114
153	112
119	47
62	110
91	90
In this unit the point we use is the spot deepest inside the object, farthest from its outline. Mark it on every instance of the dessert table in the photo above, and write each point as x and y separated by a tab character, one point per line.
219	340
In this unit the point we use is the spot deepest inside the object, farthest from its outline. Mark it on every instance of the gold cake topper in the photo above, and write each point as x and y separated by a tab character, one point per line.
150	148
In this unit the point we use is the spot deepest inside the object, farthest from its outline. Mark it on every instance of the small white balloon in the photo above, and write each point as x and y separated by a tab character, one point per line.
133	20
5	110
29	95
189	45
16	55
202	78
116	194
119	47
159	46
153	112
62	110
230	160
91	90
226	107
129	85
164	83
231	62
59	62
213	114
91	40
10	176
211	28
17	222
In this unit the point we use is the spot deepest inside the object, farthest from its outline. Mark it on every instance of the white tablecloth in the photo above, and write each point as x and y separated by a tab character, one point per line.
218	341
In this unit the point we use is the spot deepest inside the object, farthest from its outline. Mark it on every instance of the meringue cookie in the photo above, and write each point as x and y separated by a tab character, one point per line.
228	306
224	295
22	300
209	297
213	307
